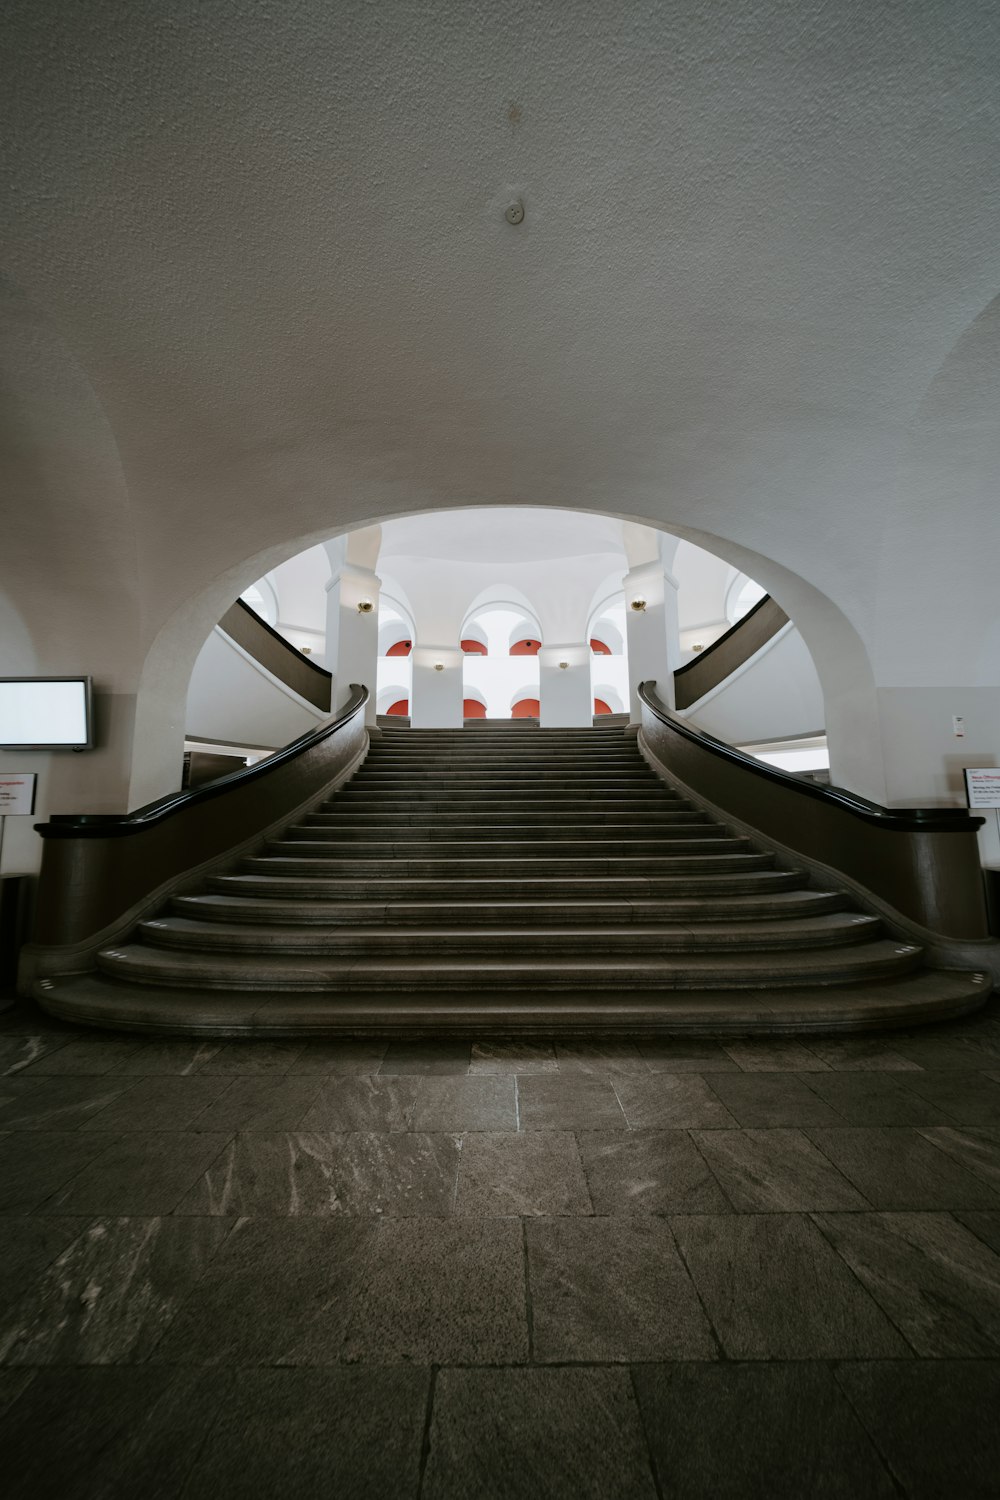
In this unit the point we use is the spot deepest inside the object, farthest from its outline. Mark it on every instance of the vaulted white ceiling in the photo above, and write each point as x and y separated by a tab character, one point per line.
262	285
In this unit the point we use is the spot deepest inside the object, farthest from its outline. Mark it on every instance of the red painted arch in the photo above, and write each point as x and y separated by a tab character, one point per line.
525	648
401	648
473	709
526	708
600	707
474	648
599	648
400	707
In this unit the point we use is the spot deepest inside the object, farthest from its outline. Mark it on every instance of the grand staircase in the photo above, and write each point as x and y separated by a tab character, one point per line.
513	880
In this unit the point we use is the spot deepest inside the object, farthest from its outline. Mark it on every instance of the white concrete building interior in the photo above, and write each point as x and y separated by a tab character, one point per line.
498	989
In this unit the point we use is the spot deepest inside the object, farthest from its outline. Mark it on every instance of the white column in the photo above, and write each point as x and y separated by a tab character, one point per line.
564	690
653	633
352	633
437	693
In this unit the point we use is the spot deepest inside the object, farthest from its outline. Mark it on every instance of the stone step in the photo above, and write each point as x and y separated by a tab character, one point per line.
566	887
839	929
538	825
386	975
768	905
473	868
485	847
934	995
424	796
544	834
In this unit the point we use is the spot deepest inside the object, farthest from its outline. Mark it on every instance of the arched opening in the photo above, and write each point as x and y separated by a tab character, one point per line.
526	708
599	648
473	708
601	707
401	648
399	709
525	648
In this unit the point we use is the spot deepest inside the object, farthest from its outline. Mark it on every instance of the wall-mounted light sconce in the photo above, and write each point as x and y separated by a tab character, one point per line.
563	665
439	666
365	606
638	605
697	646
306	650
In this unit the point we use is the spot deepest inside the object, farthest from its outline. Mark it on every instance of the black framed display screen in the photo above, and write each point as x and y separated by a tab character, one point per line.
46	713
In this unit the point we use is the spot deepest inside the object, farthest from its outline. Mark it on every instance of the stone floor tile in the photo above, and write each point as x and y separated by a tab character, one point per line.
363	1103
427	1057
966	1098
254	1057
107	1298
774	1289
763	1100
750	1431
934	1421
536	1172
940	1053
861	1054
269	1103
568	1102
28	1246
441	1291
686	1055
612	1289
19	1052
303	1433
13	1384
875	1099
336	1057
521	1434
464	1104
984	1224
279	1292
513	1057
33	1103
600	1058
671	1101
35	1164
79	1434
648	1172
92	1056
937	1281
159	1103
177	1056
138	1174
321	1173
774	1055
976	1148
896	1168
774	1171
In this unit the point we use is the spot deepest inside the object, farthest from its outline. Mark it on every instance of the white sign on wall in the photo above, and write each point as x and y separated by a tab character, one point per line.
982	786
17	792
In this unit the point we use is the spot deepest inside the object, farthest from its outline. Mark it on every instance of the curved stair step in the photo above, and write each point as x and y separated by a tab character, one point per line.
386	975
933	995
838	929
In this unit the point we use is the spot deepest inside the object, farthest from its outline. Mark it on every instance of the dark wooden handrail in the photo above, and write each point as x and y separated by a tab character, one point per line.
903	819
122	825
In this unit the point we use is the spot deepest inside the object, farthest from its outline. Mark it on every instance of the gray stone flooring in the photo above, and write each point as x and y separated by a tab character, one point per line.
755	1268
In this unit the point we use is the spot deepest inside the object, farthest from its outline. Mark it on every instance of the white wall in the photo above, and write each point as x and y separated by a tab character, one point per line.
233	700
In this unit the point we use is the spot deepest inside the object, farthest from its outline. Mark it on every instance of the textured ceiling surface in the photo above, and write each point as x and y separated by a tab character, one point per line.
273	238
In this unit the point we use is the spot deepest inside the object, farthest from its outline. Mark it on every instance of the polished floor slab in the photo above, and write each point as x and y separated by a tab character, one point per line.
499	1268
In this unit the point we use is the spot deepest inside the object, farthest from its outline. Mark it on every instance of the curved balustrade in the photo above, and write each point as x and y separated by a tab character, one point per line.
276	655
98	870
923	862
722	658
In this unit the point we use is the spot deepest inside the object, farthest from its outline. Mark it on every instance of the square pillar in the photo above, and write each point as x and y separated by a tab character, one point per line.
352	634
653	632
437	694
564	691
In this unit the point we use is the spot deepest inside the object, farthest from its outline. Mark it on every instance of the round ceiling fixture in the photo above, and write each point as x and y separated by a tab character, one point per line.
514	212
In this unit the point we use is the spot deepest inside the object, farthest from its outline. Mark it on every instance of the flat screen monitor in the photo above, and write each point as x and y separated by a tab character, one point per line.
45	713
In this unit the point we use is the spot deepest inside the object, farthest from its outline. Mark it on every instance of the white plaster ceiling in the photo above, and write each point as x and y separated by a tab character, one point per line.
270	241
